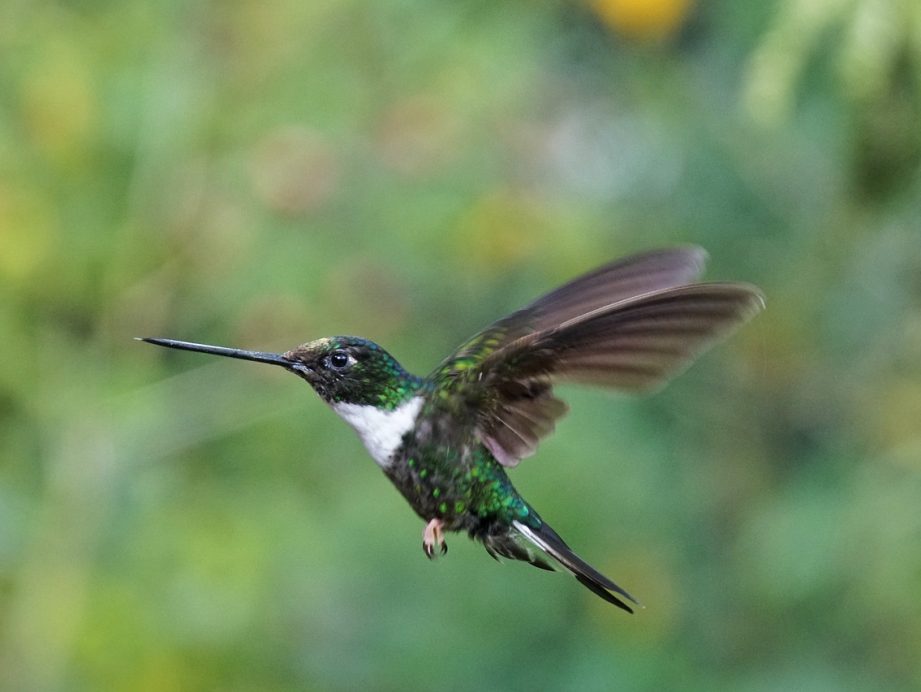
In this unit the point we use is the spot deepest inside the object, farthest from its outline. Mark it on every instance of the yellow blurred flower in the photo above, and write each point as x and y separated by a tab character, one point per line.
643	19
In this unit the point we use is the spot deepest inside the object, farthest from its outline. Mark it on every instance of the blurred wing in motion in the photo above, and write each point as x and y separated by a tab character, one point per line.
633	341
611	283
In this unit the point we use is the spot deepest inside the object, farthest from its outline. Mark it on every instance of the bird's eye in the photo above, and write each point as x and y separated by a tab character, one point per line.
339	359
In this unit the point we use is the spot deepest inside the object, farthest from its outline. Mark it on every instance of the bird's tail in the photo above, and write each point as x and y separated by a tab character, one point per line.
549	543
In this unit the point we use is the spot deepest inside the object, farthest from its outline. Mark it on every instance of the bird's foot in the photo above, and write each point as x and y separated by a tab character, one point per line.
433	536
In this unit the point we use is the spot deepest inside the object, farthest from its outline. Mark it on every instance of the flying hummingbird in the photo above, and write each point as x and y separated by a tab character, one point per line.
446	440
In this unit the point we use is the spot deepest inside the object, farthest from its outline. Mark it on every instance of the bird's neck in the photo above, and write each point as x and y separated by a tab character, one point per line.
382	429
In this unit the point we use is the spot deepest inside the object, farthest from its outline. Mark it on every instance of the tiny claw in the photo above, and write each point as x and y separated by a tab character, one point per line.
433	535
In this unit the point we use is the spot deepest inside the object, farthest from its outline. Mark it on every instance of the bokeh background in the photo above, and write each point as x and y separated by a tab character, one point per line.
258	173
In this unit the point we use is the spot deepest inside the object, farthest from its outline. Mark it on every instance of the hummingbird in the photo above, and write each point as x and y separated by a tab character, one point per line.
447	440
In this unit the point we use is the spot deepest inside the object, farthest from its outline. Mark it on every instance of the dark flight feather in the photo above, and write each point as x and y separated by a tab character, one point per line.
635	345
549	541
594	330
610	283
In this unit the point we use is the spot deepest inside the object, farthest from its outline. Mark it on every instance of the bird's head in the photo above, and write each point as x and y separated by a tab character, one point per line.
352	370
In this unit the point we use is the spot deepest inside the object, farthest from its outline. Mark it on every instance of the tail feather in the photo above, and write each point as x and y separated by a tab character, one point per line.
509	544
548	541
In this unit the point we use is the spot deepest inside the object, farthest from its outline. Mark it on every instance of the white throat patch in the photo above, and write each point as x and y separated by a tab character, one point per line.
381	431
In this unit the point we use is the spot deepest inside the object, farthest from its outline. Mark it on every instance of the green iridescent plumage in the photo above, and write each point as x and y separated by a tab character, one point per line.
446	440
375	379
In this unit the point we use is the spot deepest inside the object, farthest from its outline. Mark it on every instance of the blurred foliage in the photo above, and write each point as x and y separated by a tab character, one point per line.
262	173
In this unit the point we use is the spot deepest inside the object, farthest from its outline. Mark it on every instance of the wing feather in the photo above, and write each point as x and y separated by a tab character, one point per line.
610	283
630	325
640	345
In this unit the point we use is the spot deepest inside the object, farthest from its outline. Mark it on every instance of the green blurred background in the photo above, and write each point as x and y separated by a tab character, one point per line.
259	173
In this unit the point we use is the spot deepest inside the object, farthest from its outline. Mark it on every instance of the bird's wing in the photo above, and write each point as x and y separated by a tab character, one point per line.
633	343
610	283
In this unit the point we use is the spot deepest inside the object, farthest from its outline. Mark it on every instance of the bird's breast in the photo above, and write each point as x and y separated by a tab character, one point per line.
381	430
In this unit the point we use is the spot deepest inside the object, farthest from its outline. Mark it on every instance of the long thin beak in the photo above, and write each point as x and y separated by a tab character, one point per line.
258	356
